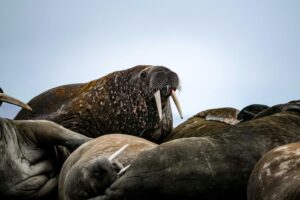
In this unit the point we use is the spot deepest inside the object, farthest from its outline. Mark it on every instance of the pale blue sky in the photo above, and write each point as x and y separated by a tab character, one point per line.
227	53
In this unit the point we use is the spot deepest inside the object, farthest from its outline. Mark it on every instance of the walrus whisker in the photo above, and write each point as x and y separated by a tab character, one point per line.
123	170
158	103
176	101
113	156
11	100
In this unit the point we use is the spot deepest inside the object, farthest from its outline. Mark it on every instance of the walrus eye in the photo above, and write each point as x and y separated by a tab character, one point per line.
143	74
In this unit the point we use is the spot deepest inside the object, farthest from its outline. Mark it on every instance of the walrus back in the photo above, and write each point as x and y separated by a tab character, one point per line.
49	101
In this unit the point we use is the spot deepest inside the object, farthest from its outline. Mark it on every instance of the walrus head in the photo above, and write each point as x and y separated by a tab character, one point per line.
11	100
160	82
92	177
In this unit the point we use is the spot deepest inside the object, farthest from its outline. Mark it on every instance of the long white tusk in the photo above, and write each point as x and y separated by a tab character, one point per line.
11	100
123	170
117	153
158	103
176	101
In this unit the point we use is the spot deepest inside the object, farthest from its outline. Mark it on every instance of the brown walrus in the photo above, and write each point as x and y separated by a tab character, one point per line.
92	167
205	123
277	175
132	101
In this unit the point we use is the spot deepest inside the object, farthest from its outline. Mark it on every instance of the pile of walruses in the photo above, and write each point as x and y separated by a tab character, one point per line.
113	138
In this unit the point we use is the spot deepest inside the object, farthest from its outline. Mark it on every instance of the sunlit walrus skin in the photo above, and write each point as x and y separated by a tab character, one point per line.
133	101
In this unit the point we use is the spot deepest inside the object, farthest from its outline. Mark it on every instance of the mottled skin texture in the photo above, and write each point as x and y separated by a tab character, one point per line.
205	123
211	167
118	102
87	172
277	175
30	158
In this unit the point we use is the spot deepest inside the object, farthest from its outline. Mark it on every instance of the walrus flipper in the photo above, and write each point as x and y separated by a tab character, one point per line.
295	107
249	112
47	132
49	102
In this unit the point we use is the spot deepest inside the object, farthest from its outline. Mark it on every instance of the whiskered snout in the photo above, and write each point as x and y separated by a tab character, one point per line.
164	84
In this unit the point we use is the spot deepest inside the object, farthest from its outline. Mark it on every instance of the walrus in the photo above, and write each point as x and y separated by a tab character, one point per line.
292	106
277	175
210	167
205	123
132	101
93	167
218	119
251	111
30	162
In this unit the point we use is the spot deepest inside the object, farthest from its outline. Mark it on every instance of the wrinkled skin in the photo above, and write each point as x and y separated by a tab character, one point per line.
205	123
30	160
120	102
277	175
88	172
212	167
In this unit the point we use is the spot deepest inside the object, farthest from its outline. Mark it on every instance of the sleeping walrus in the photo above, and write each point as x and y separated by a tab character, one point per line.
94	166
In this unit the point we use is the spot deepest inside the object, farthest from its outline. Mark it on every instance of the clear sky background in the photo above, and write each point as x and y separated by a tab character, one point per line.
227	53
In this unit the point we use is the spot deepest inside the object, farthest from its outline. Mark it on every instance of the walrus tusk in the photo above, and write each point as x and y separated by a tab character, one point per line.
176	101
11	100
117	152
123	170
158	103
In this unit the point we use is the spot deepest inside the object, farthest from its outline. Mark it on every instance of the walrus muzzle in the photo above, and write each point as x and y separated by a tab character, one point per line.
163	83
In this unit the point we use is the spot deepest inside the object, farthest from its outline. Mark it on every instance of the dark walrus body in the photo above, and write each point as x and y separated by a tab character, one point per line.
213	167
32	152
205	123
120	102
30	160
